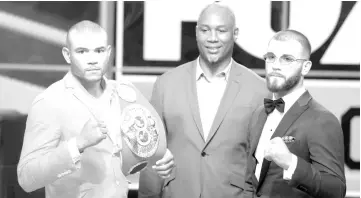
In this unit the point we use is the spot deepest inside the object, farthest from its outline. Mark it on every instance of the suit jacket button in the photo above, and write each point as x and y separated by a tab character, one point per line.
259	194
203	154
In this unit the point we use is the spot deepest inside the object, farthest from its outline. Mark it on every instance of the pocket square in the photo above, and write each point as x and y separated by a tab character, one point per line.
288	139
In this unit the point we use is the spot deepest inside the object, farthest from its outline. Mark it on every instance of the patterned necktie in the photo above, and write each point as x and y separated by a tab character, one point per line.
270	105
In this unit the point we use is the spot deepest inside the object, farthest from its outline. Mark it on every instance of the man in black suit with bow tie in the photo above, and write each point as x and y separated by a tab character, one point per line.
296	147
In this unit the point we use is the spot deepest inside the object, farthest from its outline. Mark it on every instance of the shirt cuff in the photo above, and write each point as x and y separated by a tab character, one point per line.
287	174
74	152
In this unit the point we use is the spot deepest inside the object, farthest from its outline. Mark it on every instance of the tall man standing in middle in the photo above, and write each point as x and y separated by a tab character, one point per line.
206	105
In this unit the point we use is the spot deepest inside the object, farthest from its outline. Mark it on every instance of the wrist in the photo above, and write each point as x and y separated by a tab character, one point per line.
80	144
288	161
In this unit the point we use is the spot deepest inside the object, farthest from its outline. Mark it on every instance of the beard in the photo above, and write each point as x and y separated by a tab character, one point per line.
286	85
215	59
212	58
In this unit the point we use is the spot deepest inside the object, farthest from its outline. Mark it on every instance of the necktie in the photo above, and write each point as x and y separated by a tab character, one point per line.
270	105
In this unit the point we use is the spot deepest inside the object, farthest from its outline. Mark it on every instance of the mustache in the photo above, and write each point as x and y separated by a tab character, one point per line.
275	74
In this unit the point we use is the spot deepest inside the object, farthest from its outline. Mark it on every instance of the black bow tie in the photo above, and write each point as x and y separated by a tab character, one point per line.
270	105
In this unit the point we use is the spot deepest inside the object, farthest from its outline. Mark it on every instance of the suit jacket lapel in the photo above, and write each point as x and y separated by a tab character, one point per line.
288	119
74	88
254	142
262	117
232	89
191	90
292	115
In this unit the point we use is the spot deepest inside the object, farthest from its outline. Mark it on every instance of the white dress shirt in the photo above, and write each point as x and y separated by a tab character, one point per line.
210	92
273	119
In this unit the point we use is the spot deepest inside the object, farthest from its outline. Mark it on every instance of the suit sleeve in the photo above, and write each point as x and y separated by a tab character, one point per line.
248	185
43	158
322	176
150	184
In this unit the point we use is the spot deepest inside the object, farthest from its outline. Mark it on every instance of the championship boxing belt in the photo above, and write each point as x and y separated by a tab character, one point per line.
142	131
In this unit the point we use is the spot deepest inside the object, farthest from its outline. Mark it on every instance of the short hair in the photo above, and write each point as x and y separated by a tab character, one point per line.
82	27
218	4
286	35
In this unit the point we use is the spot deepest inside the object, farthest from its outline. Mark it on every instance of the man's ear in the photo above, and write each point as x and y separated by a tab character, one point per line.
306	67
109	51
235	33
66	54
195	29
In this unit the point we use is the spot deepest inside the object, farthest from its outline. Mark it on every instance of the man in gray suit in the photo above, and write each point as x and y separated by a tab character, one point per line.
206	105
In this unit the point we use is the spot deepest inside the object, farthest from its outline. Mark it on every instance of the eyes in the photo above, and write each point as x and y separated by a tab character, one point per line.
100	50
285	59
80	51
288	58
269	57
206	30
83	51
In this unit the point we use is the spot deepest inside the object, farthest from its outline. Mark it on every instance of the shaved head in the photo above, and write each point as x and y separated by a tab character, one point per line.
287	35
216	33
218	8
84	27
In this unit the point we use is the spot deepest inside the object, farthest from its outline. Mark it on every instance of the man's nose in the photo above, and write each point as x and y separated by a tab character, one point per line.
213	37
276	65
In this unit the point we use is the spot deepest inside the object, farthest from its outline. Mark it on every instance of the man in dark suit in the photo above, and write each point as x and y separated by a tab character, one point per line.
206	106
297	147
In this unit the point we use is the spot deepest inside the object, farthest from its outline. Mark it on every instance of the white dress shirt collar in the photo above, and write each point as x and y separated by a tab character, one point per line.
225	72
